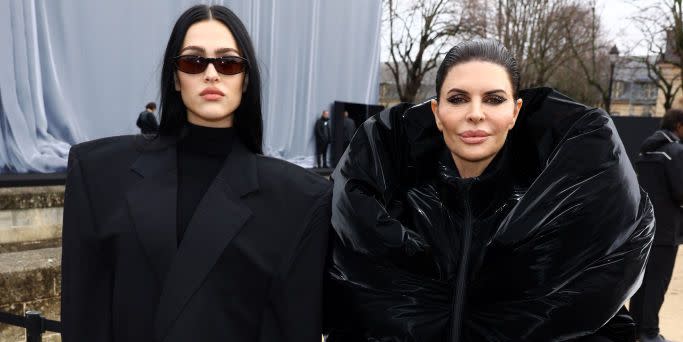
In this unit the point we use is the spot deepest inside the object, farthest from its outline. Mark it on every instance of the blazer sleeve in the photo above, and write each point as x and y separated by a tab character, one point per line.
298	296
86	273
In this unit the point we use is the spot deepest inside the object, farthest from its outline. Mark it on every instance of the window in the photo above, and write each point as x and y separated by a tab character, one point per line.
650	91
618	90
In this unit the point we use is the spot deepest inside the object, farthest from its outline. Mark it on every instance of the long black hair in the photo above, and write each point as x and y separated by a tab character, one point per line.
247	121
485	50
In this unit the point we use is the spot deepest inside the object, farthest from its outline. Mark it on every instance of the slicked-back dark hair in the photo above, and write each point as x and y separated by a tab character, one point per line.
247	119
671	118
485	50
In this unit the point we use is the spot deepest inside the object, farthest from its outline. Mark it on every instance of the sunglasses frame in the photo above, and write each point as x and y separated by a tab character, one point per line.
207	60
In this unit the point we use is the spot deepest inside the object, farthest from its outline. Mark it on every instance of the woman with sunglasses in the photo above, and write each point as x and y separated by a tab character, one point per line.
194	235
486	214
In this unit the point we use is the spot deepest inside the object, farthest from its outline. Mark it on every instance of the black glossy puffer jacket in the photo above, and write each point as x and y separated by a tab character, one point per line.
546	245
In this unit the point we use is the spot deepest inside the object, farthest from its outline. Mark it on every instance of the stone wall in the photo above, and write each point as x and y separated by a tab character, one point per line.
30	256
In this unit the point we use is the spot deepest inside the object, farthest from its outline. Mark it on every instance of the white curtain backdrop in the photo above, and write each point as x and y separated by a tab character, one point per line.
73	70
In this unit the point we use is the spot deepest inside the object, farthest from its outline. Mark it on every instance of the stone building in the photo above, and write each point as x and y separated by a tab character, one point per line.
668	64
633	92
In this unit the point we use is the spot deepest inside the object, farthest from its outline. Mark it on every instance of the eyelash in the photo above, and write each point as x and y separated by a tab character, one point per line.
493	99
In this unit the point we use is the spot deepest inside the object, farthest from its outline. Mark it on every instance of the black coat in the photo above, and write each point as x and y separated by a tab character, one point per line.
322	134
660	173
349	129
147	123
249	267
545	246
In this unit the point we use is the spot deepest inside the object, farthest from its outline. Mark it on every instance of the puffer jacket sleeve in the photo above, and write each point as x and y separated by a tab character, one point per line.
365	293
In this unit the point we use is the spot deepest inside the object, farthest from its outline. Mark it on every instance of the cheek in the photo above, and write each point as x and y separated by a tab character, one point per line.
451	119
502	120
185	84
234	84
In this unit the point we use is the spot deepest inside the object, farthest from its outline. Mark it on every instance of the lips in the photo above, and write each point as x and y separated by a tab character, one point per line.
474	137
211	94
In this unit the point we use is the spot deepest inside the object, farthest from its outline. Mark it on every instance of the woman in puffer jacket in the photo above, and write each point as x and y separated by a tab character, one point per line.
486	215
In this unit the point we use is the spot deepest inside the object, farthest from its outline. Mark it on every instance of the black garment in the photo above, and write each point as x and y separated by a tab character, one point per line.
645	304
349	131
660	173
201	153
249	267
321	158
322	140
546	245
147	123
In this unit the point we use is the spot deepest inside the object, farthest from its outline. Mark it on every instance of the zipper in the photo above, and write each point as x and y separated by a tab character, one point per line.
461	280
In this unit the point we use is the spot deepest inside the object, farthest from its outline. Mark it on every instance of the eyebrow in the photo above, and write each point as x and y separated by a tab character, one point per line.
458	90
202	50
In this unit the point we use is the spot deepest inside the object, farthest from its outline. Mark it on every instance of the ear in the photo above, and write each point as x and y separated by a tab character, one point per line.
245	83
176	82
515	114
435	111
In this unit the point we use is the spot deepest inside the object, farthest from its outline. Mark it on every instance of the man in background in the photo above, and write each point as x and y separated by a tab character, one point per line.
660	173
349	129
147	122
322	139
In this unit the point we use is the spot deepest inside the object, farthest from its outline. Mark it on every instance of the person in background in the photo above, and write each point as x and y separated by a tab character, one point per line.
349	129
660	173
147	122
322	139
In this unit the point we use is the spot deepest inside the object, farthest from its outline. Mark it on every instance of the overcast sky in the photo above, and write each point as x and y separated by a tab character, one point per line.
615	18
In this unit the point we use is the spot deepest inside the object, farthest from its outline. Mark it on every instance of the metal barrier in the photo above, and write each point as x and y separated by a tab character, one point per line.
34	323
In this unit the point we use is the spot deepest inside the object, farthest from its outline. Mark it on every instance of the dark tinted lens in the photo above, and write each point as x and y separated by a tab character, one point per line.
191	64
229	65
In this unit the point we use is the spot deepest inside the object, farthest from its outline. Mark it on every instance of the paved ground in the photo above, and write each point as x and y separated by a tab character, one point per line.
671	315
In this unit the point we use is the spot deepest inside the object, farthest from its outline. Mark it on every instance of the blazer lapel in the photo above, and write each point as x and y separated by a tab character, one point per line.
219	216
152	204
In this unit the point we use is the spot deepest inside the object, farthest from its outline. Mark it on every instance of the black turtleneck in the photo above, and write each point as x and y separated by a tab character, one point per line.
201	153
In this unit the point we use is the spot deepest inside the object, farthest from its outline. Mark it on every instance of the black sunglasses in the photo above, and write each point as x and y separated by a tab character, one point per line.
227	65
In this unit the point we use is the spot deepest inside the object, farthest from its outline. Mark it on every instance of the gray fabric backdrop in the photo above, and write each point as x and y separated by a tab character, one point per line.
73	70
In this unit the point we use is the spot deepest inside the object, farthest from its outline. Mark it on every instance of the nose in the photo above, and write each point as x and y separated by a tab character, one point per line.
475	114
210	74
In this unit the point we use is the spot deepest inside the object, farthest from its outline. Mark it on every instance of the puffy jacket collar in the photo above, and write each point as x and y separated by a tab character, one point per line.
545	118
658	140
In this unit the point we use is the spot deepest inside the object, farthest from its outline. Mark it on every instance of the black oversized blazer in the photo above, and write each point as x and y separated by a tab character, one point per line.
249	267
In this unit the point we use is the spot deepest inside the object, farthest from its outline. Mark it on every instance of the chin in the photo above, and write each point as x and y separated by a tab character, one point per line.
475	157
213	117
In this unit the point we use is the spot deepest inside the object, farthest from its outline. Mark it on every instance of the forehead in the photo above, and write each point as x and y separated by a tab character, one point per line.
475	76
210	35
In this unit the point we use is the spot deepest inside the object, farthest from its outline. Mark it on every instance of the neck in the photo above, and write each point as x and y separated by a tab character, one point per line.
198	121
468	169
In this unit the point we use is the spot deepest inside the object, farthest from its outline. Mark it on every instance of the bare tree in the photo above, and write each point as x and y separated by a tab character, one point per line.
535	32
419	33
590	54
661	25
658	37
675	27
